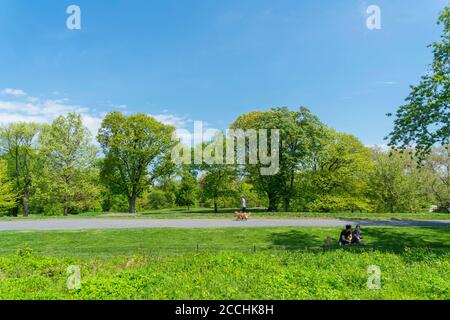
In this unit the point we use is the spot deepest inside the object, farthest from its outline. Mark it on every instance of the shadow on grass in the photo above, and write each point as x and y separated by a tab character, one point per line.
433	238
294	240
415	245
395	222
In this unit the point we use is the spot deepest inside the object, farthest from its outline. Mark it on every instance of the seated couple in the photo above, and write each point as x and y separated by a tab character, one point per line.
351	237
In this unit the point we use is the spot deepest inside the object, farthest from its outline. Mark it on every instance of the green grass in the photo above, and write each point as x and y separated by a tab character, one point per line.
207	213
115	242
289	263
276	275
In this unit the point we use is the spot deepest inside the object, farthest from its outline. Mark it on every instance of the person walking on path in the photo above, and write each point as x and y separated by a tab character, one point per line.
243	204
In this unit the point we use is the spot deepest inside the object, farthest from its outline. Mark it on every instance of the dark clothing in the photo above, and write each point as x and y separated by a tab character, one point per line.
243	209
357	233
346	233
357	236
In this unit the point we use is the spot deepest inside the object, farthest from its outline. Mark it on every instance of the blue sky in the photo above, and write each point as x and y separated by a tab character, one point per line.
213	60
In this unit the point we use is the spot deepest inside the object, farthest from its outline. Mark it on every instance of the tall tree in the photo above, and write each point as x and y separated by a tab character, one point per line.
338	179
7	194
187	192
137	152
424	120
69	158
397	184
18	140
300	135
217	178
437	163
217	182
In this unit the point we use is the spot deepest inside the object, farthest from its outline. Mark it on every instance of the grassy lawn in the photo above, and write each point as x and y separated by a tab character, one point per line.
207	213
162	241
289	263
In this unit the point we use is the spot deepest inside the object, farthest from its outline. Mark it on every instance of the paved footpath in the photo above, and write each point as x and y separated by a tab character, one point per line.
93	223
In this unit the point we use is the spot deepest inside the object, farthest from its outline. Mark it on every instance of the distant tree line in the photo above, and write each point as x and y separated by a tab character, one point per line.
58	169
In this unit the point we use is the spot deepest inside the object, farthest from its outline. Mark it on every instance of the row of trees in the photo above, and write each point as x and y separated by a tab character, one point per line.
57	169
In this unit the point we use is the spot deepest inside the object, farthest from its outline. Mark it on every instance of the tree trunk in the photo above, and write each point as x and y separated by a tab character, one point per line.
26	207
132	203
286	204
26	195
287	198
215	205
15	211
272	202
66	207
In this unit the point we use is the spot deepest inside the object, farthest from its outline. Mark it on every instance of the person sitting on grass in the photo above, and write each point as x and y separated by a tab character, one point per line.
346	235
356	236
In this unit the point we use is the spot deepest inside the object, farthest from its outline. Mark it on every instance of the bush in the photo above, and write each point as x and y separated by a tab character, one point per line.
24	251
158	199
331	203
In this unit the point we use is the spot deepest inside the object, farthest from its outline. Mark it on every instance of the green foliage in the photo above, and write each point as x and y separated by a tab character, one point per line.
320	170
339	203
157	199
397	184
424	120
437	169
187	192
18	141
114	202
67	177
7	194
338	177
24	251
137	152
300	136
217	184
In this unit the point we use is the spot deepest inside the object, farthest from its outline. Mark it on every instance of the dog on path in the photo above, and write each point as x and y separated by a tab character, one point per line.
242	215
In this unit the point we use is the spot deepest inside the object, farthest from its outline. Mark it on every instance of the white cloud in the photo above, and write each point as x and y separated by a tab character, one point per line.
6	118
13	92
380	146
178	122
93	123
33	109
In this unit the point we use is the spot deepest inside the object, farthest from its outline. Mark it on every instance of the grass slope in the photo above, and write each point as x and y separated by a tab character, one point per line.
165	264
